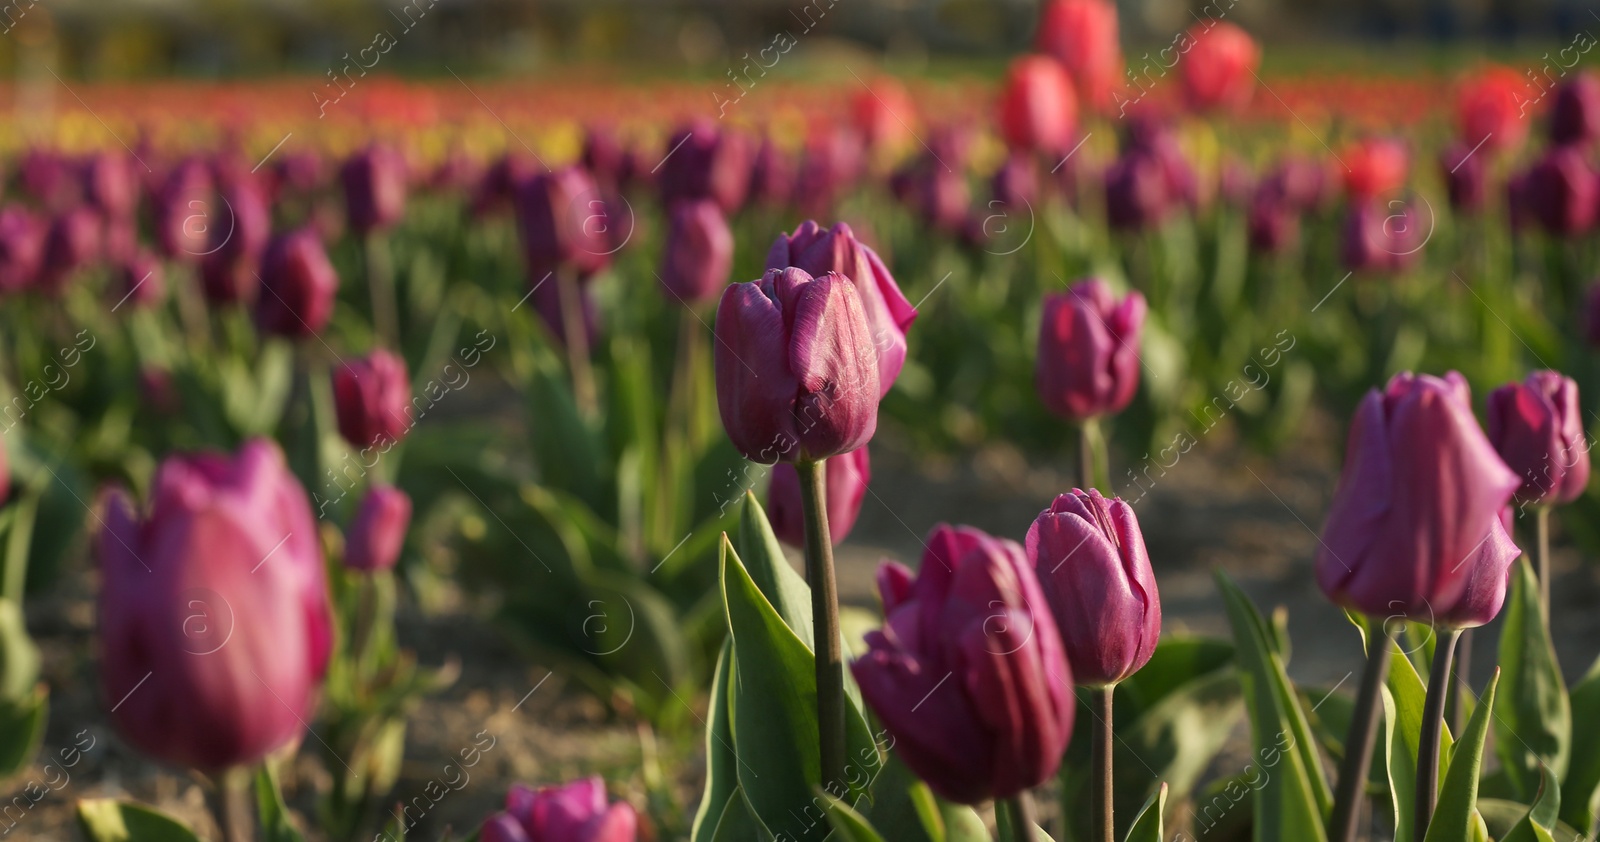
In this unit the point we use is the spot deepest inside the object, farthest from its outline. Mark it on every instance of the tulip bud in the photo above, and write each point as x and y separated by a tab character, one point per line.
1560	192
22	239
699	251
76	239
832	160
1089	351
297	285
183	208
967	674
1575	116
1082	35
372	399
1218	70
1379	241
1375	166
1038	110
936	194
110	184
215	627
889	315
1537	428
1092	565
565	223
573	812
50	179
1015	185
1417	507
1137	192
846	486
139	281
378	530
882	113
772	175
302	172
1272	225
702	162
797	376
1466	177
374	189
603	155
1489	110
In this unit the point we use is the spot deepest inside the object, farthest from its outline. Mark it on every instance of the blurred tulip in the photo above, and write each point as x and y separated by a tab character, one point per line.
1038	110
1303	183
603	155
1375	166
501	827
1575	116
1138	192
847	478
882	113
797	374
565	223
22	238
772	176
182	210
220	594
372	399
1466	177
967	674
832	161
139	281
498	187
302	172
75	240
572	812
111	185
1489	110
379	529
1088	362
1219	67
50	179
934	191
374	189
1082	35
1537	428
1273	226
1015	185
1383	239
298	285
1560	192
1418	506
699	251
1091	561
703	162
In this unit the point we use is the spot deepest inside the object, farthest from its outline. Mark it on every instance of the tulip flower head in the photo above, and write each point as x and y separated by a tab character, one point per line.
1575	115
1560	192
298	284
1417	515
215	627
1082	35
374	189
1489	110
1218	70
1537	428
1038	109
846	486
699	251
703	162
967	673
797	374
378	530
1375	166
1088	362
566	223
372	399
574	812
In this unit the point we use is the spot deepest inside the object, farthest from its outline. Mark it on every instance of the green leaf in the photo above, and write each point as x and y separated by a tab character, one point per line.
1539	824
110	820
272	813
22	724
1533	721
774	714
19	657
1580	789
1458	798
1147	824
722	774
1294	803
735	824
850	825
1403	700
763	556
1501	818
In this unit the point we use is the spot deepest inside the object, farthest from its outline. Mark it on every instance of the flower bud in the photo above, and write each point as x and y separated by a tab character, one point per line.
1038	110
372	399
1537	428
76	239
702	162
1375	166
298	285
1466	177
374	189
1575	116
139	281
1089	351
845	482
1082	35
1489	110
699	251
1218	70
1560	192
565	223
378	530
573	812
22	238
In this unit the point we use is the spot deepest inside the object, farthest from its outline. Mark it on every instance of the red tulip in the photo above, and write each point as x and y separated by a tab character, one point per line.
1038	110
1219	69
1489	111
1375	166
1082	35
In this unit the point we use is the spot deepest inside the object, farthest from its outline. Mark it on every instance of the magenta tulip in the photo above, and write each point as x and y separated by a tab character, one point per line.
372	399
699	251
139	281
22	238
847	478
1537	428
297	285
565	222
1091	561
836	249
76	239
1088	362
573	812
1575	115
701	161
378	530
1418	505
111	185
797	376
183	207
374	189
1560	191
215	627
967	674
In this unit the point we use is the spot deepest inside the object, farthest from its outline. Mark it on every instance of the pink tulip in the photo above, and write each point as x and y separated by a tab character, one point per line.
1089	351
378	530
573	812
1537	428
372	399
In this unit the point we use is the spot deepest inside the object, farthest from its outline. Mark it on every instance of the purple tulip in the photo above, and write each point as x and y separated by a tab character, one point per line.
1015	185
22	238
1466	177
703	162
603	155
242	227
51	179
297	285
1575	116
1092	565
1488	572
1301	182
936	194
111	184
1560	192
846	479
1418	505
372	399
75	240
797	376
573	812
1272	224
699	251
139	281
215	627
967	674
498	187
831	161
378	530
302	172
1138	192
836	249
565	223
1537	428
772	176
374	189
183	209
1382	239
1089	351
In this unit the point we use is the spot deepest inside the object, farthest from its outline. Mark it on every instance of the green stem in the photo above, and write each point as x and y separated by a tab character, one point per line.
1100	789
1020	815
1086	452
577	343
1432	725
231	803
380	284
1455	713
824	620
1358	741
1541	523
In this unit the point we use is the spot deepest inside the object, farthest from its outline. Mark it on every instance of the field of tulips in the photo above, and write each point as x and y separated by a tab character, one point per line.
472	459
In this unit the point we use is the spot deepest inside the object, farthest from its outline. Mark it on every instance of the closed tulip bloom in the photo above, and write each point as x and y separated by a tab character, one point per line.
1489	110
374	189
242	227
1218	70
1038	110
215	627
603	155
184	205
967	673
75	240
797	375
1418	504
1272	225
772	176
1138	192
938	196
301	172
1092	565
1537	428
703	162
22	238
573	812
1375	166
699	251
1560	192
565	223
1575	116
378	530
372	399
297	285
139	281
1082	35
1302	182
1383	239
1088	362
831	161
1015	185
889	315
847	478
1466	177
882	113
111	185
50	178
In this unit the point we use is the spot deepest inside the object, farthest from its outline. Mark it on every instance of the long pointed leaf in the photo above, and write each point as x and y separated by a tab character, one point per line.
1454	819
1533	723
